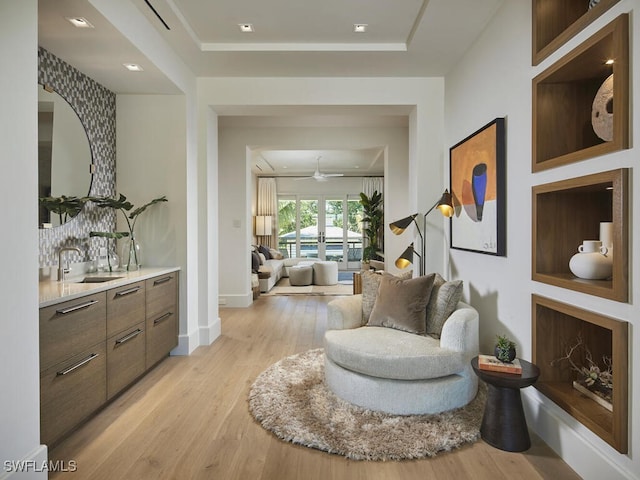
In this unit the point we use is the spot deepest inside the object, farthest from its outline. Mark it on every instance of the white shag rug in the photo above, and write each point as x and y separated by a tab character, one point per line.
291	400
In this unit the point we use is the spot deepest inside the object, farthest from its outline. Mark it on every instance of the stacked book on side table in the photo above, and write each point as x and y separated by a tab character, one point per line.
490	362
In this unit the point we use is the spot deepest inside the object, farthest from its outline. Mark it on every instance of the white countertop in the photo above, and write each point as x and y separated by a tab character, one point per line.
52	292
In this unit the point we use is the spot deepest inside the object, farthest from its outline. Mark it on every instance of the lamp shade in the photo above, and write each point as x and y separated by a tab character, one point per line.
445	205
401	225
406	259
263	225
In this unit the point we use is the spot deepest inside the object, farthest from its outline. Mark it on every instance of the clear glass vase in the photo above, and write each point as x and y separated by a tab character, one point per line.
131	258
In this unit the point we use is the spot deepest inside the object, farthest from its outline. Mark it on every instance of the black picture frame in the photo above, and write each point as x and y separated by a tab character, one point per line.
477	186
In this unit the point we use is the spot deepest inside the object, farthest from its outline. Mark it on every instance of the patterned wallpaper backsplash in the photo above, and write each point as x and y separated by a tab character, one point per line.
96	108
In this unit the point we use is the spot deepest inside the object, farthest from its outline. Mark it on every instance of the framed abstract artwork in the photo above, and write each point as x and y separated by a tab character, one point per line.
477	172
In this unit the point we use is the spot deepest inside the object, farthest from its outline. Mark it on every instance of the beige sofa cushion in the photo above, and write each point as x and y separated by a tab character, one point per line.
444	299
401	304
370	284
388	353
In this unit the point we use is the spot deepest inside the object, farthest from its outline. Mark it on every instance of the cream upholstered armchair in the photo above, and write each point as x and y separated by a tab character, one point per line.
390	369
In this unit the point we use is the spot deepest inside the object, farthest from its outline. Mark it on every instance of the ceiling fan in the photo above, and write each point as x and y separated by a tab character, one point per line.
321	177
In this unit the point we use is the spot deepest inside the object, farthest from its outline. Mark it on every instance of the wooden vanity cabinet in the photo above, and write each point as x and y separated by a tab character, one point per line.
126	336
93	347
70	327
162	317
125	358
125	307
72	363
71	391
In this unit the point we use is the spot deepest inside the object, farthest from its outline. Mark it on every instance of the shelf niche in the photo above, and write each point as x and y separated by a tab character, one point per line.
563	97
554	23
556	326
569	211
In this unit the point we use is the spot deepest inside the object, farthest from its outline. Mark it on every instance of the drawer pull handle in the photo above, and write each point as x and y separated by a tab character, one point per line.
161	280
127	292
126	338
77	365
64	311
162	318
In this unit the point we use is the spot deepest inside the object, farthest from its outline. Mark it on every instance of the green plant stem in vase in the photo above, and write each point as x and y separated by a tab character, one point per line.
131	256
131	251
108	236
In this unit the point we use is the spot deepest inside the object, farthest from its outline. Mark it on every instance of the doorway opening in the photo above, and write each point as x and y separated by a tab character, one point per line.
327	227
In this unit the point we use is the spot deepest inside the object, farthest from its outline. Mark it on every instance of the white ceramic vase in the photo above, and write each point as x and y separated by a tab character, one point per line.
591	262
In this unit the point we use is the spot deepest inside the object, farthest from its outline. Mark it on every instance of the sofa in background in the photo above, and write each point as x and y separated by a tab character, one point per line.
270	265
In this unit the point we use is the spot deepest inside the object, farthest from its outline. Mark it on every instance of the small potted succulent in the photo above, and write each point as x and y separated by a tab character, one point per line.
505	349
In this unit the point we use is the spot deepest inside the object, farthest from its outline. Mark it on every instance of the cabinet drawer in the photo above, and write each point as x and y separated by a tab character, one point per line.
125	358
161	294
125	307
71	327
71	391
162	335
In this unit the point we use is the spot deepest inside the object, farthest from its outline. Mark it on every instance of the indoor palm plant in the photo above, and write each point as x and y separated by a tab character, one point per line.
373	220
131	250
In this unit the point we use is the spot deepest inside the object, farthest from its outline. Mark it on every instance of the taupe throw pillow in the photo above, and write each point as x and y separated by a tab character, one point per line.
370	284
444	298
401	304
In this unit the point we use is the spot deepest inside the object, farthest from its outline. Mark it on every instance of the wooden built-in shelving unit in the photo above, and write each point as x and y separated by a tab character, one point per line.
569	211
555	22
563	96
557	325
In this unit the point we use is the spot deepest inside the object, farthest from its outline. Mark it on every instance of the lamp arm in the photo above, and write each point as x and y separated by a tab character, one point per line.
422	245
423	259
431	209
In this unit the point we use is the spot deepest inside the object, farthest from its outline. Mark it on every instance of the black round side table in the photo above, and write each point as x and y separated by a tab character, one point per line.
503	424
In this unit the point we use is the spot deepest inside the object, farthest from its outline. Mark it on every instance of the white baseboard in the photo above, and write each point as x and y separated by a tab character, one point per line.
236	301
187	343
209	333
33	466
586	453
202	336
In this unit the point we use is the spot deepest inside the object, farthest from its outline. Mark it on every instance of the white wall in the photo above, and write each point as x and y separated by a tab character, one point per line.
198	290
19	357
494	79
152	161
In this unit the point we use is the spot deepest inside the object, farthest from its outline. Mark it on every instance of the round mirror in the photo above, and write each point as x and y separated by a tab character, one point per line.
64	160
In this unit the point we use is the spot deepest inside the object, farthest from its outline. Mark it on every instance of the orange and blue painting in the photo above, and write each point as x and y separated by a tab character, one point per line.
477	190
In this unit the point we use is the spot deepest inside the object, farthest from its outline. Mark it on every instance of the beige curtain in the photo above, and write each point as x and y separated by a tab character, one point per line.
268	205
372	184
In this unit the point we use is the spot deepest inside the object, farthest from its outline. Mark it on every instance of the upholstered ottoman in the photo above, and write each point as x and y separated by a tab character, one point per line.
300	275
325	273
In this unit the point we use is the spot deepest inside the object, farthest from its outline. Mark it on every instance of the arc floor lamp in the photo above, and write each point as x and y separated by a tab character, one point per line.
445	205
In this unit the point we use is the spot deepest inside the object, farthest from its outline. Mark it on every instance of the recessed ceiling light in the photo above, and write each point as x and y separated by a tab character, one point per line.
246	27
79	22
133	67
360	27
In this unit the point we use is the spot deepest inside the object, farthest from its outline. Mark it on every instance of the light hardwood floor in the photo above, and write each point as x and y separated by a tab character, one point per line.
188	418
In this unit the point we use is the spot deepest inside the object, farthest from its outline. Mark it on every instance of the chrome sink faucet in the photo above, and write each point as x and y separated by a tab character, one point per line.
62	270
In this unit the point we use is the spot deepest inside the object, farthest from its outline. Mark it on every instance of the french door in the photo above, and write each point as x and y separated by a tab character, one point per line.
322	226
